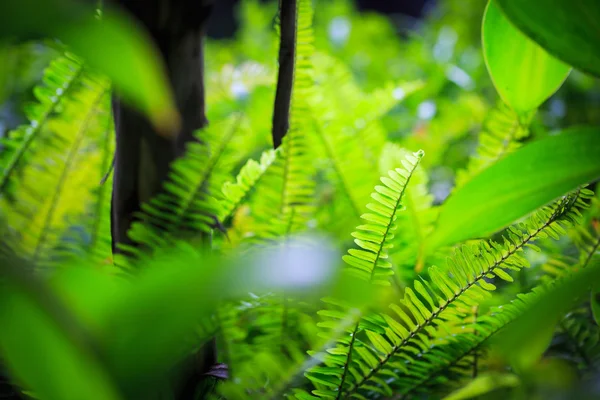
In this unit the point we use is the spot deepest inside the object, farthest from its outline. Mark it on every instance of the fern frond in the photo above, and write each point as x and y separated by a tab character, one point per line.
62	152
501	135
187	208
416	224
284	198
583	336
428	311
370	264
375	237
280	208
585	237
234	193
448	362
58	80
90	236
463	284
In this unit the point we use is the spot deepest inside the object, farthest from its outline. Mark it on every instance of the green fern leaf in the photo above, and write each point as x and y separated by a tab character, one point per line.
374	238
49	168
187	207
234	193
58	80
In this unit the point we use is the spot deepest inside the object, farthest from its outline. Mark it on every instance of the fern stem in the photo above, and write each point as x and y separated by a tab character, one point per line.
451	364
65	172
389	226
475	354
348	361
29	139
419	231
442	307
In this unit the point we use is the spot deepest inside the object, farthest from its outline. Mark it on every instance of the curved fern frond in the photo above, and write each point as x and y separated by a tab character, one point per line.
375	237
234	193
59	79
502	133
416	224
370	264
585	237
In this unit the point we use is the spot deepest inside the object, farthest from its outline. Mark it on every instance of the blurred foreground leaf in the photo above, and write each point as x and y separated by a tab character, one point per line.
516	185
89	334
112	45
44	345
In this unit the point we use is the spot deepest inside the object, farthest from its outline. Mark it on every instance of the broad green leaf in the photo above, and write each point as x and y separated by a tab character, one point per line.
524	74
484	384
565	28
112	45
523	181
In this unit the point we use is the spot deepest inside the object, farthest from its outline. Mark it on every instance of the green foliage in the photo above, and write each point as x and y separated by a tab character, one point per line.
537	175
486	246
539	19
541	73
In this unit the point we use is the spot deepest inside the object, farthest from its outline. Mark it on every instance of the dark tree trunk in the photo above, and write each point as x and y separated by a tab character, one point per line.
143	156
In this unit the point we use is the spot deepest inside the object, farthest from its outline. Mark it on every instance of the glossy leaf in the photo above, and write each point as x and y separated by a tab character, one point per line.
516	185
524	74
568	30
112	45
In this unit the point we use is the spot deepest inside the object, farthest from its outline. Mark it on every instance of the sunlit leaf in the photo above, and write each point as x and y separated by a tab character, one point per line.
516	185
524	74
